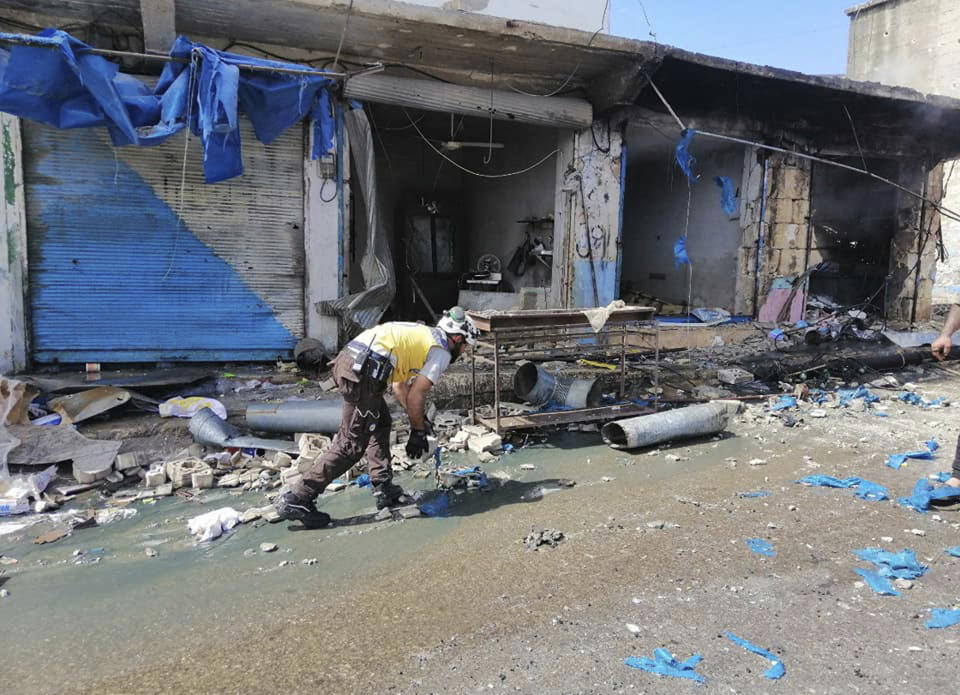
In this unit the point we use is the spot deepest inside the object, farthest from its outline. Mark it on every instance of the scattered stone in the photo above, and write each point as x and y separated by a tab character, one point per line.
422	474
549	537
384	514
474	430
734	375
336	486
887	539
607	479
308	561
268	547
917	532
490	442
151	552
270	514
4	593
758	462
114	477
527	467
249	515
772	525
792	508
634	629
6	560
674	457
902	584
164	490
658	524
284	563
155	476
486	457
408	512
229	480
818	413
249	552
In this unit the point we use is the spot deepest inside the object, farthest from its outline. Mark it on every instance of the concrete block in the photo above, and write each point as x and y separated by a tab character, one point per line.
408	512
202	480
488	442
155	476
282	460
128	461
229	480
290	476
164	490
114	477
734	375
474	429
179	471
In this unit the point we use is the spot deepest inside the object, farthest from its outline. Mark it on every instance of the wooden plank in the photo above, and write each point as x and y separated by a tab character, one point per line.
545	318
557	112
159	29
13	242
567	417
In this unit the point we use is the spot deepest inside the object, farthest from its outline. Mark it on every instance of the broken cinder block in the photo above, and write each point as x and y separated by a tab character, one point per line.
490	442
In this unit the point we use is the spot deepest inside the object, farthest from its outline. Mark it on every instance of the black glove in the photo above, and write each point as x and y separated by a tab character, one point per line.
416	444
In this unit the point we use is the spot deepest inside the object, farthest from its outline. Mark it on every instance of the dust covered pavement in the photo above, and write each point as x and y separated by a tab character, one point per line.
461	605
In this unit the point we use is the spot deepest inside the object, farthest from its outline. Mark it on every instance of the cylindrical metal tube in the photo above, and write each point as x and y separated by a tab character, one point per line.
296	416
682	423
537	386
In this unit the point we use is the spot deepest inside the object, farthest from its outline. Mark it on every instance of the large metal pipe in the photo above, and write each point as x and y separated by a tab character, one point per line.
296	416
210	429
537	386
682	423
557	112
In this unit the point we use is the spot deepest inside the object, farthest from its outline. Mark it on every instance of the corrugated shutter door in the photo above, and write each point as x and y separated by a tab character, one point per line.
115	278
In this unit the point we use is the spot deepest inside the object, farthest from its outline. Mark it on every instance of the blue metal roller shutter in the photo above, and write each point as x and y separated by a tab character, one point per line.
113	277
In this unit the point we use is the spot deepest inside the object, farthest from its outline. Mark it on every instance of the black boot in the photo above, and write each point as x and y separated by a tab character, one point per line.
389	495
294	508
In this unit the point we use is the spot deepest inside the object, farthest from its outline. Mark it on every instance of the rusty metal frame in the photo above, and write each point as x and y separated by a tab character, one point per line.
513	341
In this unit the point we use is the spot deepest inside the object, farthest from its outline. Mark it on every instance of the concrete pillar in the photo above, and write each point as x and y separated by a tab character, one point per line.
13	238
326	217
590	251
913	249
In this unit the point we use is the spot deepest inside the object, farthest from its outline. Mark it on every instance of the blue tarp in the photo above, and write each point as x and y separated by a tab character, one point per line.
924	493
867	490
896	460
847	395
57	81
728	194
902	565
680	256
915	399
685	160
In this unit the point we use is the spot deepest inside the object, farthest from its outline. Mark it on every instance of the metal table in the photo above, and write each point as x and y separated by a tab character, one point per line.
514	335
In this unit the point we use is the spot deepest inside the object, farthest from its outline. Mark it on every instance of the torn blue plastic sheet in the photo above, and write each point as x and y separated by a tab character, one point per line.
877	582
664	664
895	461
819	396
777	334
776	671
801	324
728	194
866	489
56	80
820	480
941	477
924	493
363	480
847	395
871	491
880	413
784	403
943	617
438	505
915	399
685	160
761	547
902	565
758	493
680	256
955	551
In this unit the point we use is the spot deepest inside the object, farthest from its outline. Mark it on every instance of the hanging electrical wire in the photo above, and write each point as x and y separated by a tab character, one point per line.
470	171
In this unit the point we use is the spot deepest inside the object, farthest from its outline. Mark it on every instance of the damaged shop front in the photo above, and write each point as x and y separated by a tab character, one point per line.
790	197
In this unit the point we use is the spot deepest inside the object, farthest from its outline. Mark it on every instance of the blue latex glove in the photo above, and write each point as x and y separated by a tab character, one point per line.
761	547
902	565
878	583
943	617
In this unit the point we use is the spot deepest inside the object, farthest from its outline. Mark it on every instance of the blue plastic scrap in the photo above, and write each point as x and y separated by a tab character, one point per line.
70	87
818	396
955	551
685	160
784	403
847	395
915	399
776	671
758	493
761	547
924	493
777	334
902	565
877	582
680	256
943	617
895	461
439	505
801	324
728	194
664	664
363	480
866	489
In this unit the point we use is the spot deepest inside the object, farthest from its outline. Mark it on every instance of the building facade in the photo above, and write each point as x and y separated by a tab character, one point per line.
915	43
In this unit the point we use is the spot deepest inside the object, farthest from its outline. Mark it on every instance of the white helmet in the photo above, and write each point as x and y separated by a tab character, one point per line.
456	322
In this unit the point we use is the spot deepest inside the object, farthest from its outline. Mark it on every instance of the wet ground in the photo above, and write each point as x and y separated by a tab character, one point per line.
460	605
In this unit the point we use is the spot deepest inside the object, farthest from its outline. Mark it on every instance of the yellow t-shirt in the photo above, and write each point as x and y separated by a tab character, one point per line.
406	344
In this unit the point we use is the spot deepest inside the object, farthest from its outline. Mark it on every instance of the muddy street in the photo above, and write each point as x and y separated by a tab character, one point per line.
652	538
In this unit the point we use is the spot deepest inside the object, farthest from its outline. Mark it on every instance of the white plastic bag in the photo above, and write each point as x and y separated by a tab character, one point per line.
213	524
189	406
15	492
